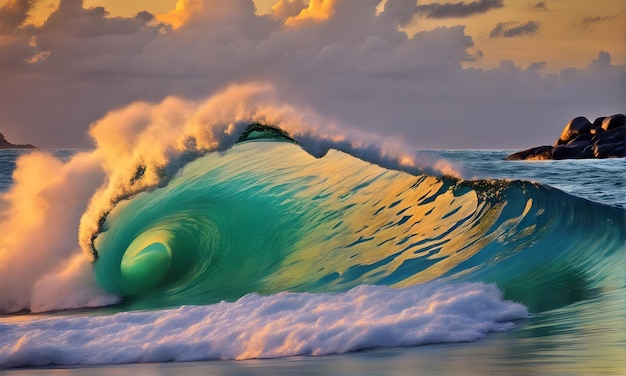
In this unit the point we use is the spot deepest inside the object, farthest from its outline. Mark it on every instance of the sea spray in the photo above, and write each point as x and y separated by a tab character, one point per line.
39	233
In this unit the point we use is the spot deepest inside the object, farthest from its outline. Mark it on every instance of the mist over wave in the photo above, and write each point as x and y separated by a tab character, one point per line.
41	265
139	148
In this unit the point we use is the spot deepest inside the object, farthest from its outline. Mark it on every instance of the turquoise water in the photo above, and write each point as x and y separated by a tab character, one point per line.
267	217
281	220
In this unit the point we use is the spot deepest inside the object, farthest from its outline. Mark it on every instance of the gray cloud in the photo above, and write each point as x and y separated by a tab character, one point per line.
400	12
536	66
284	9
144	17
458	10
355	69
541	6
588	21
603	60
514	29
13	14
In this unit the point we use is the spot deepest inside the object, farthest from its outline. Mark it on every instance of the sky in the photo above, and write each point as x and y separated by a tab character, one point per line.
436	74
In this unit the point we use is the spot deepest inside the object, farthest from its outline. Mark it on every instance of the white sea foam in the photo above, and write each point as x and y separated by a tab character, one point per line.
256	326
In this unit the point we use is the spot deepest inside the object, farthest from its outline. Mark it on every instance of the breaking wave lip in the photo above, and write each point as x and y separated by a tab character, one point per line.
285	324
310	140
144	145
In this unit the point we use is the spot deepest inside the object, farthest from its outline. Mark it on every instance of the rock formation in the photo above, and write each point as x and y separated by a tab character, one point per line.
4	144
604	138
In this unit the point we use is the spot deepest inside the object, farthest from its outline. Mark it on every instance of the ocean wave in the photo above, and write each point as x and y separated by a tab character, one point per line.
180	204
139	148
268	217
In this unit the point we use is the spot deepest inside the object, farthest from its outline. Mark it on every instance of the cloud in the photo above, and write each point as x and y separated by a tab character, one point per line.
514	29
458	10
144	17
355	68
540	6
317	10
38	57
285	9
603	60
400	12
536	66
589	21
13	14
180	14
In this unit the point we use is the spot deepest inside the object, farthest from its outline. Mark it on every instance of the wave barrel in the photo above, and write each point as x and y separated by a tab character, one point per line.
145	268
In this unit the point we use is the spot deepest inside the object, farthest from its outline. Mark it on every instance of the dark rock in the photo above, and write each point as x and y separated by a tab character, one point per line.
4	144
605	138
613	122
605	143
619	152
578	144
575	127
612	136
603	150
567	152
598	122
536	153
618	132
597	130
581	137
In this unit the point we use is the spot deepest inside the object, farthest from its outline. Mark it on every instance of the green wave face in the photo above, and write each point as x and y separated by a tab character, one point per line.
268	217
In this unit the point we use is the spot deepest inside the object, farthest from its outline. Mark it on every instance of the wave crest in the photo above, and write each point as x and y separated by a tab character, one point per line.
144	145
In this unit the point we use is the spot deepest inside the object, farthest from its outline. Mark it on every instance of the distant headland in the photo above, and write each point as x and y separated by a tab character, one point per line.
4	144
581	139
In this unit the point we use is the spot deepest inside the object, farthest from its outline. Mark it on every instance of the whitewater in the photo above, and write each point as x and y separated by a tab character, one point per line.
194	231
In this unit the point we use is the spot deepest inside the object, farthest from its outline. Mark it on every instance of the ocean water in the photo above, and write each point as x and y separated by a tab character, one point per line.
269	257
